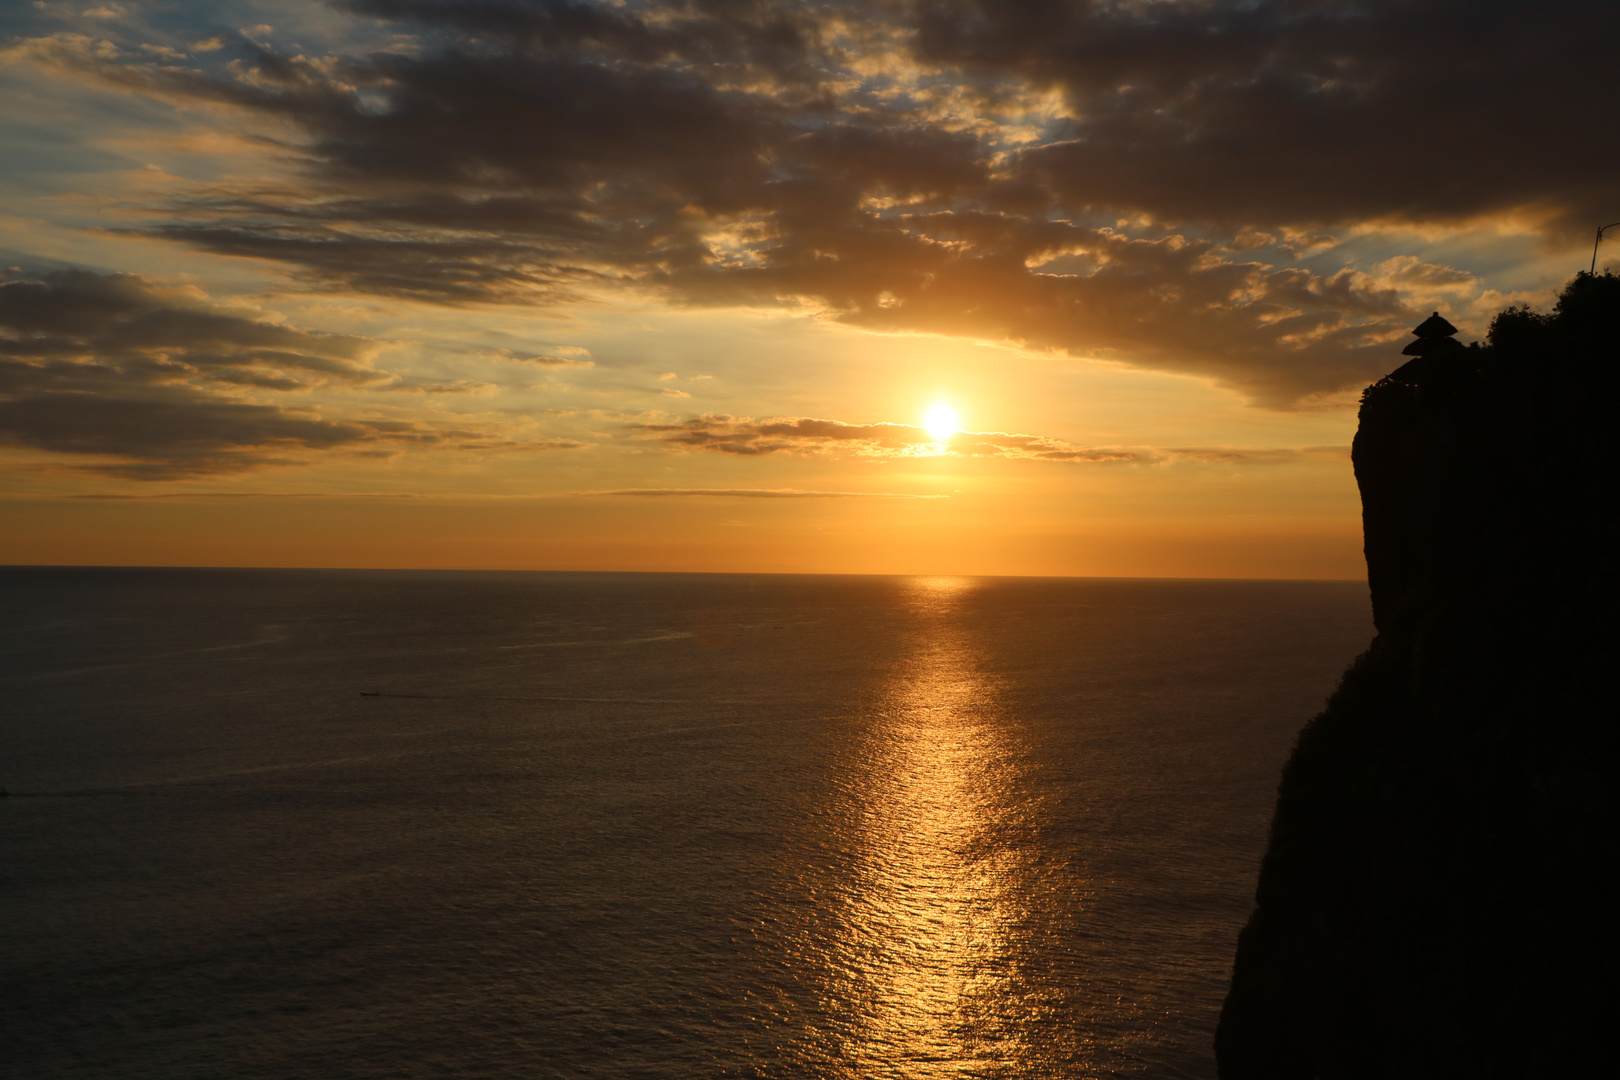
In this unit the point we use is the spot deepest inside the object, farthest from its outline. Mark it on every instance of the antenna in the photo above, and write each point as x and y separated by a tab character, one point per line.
1598	241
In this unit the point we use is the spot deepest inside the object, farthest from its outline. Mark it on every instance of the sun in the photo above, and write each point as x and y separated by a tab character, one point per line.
941	421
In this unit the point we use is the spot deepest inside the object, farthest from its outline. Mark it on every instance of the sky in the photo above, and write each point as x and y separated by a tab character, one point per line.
523	284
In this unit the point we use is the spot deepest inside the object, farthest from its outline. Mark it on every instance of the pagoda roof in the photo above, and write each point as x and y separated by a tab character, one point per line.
1433	327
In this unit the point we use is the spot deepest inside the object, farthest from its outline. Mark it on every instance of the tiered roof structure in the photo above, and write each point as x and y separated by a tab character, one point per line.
1434	335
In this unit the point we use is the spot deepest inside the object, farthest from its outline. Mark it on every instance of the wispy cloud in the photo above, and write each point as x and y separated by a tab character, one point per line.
559	358
744	493
747	437
459	387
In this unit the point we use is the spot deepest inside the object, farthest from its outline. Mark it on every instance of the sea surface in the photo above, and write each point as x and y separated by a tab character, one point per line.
305	824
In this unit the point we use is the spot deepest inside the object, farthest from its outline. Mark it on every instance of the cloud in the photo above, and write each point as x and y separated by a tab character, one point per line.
1138	182
1411	274
746	493
117	367
1305	112
554	361
489	443
166	334
654	493
747	437
176	436
566	356
1246	455
805	436
466	387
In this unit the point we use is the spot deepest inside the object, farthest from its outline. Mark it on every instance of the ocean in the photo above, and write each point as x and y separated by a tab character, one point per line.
332	824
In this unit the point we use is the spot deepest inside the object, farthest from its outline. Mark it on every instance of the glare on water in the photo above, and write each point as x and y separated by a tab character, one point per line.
928	933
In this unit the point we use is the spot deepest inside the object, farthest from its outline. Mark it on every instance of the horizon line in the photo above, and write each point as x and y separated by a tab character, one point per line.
5	567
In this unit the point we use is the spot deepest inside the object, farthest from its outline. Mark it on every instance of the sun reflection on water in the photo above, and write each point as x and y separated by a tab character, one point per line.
927	933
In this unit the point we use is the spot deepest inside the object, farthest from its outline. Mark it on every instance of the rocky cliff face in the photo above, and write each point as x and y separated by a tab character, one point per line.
1439	897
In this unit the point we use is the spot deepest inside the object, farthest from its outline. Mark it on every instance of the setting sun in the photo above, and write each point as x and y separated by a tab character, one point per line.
941	421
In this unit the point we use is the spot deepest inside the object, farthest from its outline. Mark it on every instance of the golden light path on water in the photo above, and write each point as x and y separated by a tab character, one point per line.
929	934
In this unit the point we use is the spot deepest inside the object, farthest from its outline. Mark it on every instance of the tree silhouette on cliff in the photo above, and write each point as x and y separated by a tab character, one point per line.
1438	896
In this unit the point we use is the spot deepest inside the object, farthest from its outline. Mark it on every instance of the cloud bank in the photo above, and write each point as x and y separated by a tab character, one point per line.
158	382
1146	182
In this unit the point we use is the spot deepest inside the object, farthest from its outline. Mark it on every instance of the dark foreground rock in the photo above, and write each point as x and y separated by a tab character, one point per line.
1439	897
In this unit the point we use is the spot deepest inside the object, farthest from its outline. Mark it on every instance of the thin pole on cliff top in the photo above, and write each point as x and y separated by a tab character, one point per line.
1598	241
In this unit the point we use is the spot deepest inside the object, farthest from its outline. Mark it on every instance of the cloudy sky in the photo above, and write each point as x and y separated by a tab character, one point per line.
624	285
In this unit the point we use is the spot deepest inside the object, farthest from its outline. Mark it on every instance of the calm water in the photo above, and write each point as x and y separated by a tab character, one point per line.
636	825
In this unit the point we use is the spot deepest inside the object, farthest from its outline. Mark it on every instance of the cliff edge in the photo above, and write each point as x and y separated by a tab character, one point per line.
1438	898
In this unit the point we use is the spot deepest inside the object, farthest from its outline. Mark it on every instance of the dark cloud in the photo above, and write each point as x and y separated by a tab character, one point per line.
367	252
162	334
148	378
174	435
1277	333
894	164
1306	111
745	36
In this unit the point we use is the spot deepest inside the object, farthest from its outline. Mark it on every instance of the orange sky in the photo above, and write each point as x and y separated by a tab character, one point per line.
673	288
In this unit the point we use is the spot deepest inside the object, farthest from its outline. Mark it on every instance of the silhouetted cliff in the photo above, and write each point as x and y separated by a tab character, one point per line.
1439	897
